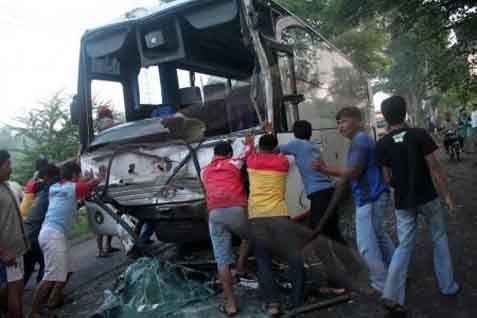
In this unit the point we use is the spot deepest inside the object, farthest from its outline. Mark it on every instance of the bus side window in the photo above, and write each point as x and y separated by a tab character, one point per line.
149	86
107	97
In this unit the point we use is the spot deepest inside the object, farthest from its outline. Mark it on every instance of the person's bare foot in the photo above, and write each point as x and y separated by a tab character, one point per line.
229	309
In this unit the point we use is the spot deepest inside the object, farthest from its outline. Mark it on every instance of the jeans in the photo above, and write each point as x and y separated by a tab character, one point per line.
147	230
374	243
407	224
319	203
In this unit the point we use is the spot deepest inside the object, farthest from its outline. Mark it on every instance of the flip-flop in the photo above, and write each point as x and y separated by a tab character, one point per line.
271	309
394	308
103	255
457	292
223	309
113	250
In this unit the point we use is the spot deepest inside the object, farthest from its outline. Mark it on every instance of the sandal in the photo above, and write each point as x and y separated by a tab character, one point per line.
394	307
112	250
271	309
333	291
102	254
223	309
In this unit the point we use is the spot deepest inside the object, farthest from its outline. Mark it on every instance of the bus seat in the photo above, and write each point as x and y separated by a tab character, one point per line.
190	100
215	110
214	92
240	109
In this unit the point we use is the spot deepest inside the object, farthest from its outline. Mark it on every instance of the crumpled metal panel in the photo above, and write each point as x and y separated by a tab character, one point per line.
161	129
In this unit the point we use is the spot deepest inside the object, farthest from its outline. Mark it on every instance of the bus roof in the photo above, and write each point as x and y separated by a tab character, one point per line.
139	14
167	8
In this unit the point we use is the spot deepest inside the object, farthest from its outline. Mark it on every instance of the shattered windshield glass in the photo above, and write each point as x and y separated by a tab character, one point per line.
153	288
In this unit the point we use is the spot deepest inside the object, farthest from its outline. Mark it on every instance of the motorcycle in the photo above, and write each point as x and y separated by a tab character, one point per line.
452	144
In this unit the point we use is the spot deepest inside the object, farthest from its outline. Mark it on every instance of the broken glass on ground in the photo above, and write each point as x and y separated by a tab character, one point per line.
155	288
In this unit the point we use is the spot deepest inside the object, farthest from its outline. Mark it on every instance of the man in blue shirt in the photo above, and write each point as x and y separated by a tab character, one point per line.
318	186
56	227
371	195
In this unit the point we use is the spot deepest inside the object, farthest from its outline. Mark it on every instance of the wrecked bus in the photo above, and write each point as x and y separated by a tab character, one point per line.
191	73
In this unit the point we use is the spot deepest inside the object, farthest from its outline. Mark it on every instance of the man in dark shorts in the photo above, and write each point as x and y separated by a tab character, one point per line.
409	161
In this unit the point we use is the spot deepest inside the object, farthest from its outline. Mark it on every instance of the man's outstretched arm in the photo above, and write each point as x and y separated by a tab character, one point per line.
340	189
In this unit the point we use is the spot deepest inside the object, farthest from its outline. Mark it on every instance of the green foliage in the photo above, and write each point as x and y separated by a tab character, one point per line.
44	131
363	42
416	48
81	224
365	45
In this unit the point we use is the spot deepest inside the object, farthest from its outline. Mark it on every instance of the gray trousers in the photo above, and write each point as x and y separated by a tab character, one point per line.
279	237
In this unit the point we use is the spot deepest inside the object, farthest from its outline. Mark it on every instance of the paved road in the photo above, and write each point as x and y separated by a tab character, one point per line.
89	267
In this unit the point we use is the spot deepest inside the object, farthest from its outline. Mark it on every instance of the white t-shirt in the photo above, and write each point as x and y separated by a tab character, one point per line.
474	119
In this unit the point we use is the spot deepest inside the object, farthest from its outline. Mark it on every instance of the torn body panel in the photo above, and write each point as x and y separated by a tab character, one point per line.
154	164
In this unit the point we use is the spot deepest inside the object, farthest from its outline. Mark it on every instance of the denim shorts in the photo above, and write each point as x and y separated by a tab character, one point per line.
223	222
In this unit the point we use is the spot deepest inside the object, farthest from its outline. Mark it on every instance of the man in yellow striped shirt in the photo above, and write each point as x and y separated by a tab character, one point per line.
275	235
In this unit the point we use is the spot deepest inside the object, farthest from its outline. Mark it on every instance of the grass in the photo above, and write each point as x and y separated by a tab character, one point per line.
81	225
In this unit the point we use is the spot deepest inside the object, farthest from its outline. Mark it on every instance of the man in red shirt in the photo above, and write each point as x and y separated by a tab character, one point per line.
226	202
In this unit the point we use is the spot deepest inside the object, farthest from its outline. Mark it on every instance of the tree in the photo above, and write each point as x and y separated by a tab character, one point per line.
44	131
363	41
404	43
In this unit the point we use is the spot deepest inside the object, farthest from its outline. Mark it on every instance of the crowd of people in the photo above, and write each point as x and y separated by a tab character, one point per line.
39	236
404	159
464	128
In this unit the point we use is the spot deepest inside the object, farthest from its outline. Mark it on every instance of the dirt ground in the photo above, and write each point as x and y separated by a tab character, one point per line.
423	297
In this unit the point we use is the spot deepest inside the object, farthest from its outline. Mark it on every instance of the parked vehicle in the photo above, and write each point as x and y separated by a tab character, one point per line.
192	73
453	144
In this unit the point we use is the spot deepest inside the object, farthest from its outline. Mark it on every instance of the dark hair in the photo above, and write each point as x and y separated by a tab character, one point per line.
223	149
52	175
268	142
4	156
69	170
49	171
349	112
40	163
302	129
394	110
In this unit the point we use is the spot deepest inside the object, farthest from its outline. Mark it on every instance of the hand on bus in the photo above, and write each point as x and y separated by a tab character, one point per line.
249	140
268	127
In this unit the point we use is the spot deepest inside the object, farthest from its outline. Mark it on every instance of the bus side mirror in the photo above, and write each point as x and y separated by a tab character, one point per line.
75	110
